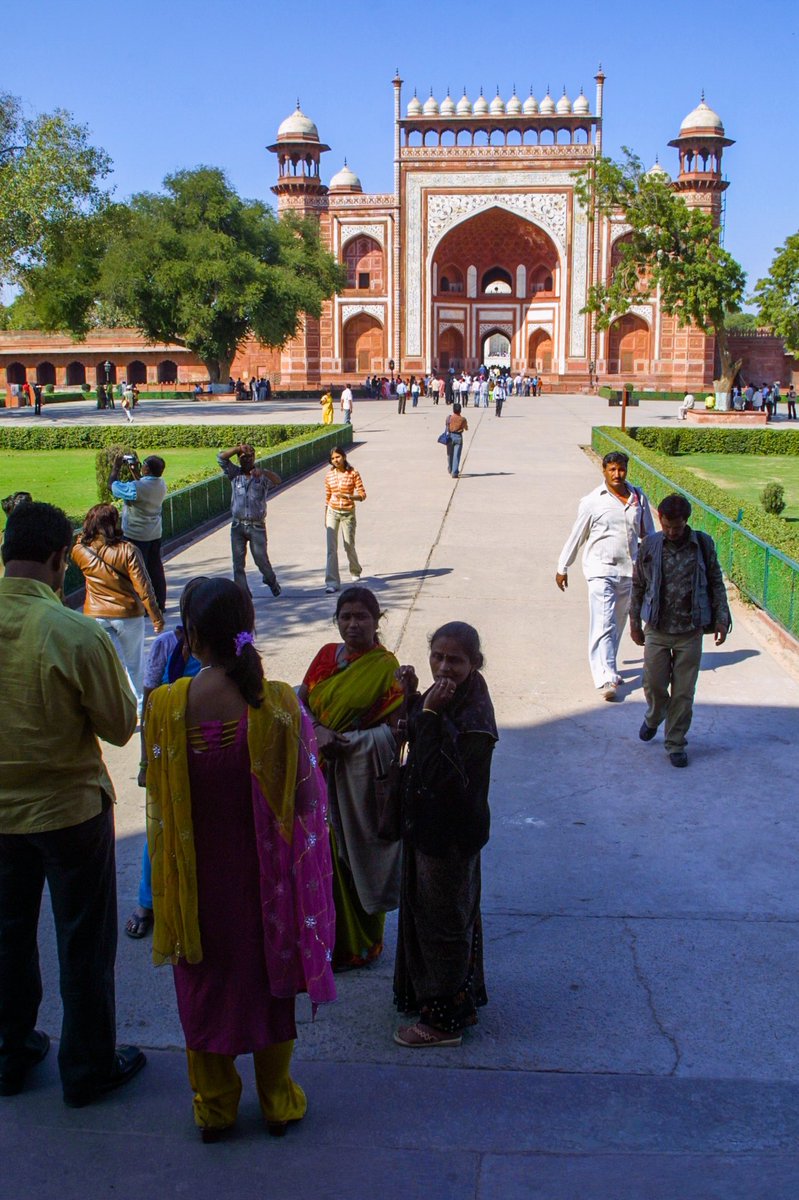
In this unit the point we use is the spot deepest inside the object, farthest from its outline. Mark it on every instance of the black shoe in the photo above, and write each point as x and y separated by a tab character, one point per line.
646	732
12	1076
128	1061
678	758
275	588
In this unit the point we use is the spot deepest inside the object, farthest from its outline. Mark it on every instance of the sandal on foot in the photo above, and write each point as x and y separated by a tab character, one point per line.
419	1036
139	923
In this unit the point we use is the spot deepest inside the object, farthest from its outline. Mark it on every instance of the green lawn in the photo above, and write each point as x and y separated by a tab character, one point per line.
747	474
66	477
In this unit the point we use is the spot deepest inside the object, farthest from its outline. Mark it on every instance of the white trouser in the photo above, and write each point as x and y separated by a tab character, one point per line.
609	607
127	634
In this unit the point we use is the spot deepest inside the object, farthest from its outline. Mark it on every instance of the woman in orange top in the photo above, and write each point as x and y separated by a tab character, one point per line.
343	486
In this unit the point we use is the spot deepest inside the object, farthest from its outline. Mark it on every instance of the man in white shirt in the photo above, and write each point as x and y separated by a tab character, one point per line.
611	521
402	395
687	404
346	404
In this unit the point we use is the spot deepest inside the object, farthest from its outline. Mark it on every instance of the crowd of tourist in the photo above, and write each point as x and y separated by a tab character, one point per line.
452	386
282	822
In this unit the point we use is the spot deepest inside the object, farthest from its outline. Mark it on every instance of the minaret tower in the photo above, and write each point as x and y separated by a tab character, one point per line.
701	143
299	190
298	151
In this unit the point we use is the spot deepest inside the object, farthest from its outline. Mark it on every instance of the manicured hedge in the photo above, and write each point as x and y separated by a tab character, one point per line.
774	530
771	581
606	391
146	437
711	439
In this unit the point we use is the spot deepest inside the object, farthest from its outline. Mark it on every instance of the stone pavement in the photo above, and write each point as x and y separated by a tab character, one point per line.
641	1039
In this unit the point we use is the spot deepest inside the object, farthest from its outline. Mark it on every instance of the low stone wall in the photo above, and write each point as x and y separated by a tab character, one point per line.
711	416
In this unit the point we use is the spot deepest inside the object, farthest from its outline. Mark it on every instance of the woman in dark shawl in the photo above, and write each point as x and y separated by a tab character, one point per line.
452	734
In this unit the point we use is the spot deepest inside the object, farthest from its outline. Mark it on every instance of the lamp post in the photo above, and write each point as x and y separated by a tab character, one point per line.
391	368
107	367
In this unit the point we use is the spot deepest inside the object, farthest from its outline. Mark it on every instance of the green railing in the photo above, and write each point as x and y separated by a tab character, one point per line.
765	575
190	507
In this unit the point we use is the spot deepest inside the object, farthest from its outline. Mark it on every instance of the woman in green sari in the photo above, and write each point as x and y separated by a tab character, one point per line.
354	700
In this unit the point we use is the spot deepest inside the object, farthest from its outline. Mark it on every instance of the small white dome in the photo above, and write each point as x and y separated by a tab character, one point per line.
581	105
345	180
414	108
430	108
547	105
448	106
530	106
702	117
656	169
514	105
464	106
497	105
480	105
564	105
297	126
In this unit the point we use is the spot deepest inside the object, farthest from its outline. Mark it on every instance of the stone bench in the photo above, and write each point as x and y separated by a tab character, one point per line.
711	416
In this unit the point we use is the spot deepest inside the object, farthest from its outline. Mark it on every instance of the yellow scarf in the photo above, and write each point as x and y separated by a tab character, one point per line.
272	741
345	697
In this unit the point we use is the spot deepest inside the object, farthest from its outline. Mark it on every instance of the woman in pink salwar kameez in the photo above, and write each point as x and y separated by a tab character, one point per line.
241	862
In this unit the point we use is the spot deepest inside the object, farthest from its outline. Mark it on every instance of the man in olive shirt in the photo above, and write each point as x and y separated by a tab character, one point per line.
63	687
678	593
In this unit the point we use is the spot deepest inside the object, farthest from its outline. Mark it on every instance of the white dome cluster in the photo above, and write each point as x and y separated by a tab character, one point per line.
498	107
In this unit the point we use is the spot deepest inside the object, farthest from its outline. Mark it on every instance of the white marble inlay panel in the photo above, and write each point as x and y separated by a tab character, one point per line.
545	208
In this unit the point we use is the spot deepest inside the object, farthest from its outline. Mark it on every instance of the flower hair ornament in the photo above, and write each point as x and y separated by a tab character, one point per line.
242	640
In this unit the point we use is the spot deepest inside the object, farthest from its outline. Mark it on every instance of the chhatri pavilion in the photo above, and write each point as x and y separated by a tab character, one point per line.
481	253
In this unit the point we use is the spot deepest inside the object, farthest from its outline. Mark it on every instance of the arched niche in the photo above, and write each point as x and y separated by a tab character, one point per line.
76	374
167	371
628	345
365	263
136	372
45	373
364	344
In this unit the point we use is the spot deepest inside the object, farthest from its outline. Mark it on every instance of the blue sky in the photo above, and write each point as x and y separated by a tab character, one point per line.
171	84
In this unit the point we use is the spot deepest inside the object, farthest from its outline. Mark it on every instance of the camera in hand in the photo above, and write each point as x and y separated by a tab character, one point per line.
130	459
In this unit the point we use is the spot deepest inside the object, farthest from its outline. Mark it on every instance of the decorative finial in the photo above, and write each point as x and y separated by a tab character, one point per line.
547	89
448	91
298	105
657	160
464	89
431	93
481	89
514	89
703	95
531	89
497	90
345	160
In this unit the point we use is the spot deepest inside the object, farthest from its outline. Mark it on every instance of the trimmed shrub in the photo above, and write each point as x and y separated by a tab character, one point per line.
151	437
669	441
773	498
718	440
49	389
770	529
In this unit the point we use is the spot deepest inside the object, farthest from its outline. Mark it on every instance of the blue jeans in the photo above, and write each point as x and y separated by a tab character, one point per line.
456	443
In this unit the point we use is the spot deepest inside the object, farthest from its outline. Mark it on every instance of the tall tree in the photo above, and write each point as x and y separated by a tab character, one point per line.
671	251
777	296
195	265
49	178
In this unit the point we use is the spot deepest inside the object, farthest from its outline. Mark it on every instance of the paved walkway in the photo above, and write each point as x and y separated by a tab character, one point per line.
641	1039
